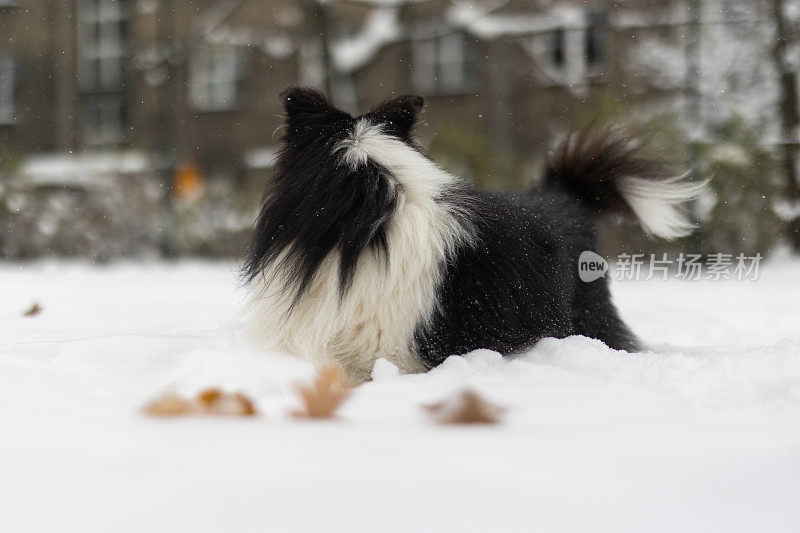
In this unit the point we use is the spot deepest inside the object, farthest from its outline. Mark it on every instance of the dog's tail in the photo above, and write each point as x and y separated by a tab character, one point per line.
606	169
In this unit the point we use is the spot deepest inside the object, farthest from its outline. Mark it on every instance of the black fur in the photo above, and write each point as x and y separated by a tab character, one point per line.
520	283
516	283
317	204
398	116
587	165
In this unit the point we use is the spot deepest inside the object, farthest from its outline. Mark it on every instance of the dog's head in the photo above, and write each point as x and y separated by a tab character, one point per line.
338	181
310	119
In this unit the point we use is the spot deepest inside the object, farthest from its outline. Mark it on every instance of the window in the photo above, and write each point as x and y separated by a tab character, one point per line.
102	54
595	39
8	90
217	78
576	51
443	65
104	119
558	48
103	29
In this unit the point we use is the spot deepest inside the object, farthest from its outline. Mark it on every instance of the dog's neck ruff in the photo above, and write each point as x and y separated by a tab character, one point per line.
378	314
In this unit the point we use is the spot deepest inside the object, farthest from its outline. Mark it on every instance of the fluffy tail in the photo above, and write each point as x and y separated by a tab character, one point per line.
607	171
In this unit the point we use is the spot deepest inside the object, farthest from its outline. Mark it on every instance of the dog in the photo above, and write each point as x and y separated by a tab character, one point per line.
364	248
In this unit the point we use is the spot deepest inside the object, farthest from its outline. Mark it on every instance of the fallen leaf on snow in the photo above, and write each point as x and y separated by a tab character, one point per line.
466	407
33	310
213	402
216	402
169	405
323	397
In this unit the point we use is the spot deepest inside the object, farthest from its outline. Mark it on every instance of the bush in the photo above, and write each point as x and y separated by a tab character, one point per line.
468	152
745	184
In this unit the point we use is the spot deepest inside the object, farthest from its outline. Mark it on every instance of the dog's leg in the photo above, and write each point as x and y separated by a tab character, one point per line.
594	315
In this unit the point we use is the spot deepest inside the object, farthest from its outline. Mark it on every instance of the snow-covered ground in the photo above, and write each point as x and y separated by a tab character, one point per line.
702	434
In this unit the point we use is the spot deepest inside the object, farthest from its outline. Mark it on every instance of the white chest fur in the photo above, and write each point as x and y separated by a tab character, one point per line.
381	310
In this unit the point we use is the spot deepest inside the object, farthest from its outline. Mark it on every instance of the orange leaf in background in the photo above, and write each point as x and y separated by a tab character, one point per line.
188	183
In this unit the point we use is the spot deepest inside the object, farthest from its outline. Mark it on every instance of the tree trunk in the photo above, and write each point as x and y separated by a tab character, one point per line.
499	128
789	119
320	25
166	130
693	108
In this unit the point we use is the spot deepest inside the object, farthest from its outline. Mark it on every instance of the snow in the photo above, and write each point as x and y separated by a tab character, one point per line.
261	157
81	169
701	434
484	22
380	28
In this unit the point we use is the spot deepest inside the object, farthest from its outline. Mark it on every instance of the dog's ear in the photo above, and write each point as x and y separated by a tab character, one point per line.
304	105
399	115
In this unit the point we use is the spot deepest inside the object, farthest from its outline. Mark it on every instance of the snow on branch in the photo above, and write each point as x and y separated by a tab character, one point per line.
483	21
380	28
215	15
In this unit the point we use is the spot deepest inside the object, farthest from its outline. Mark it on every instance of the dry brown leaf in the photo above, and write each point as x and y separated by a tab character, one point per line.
245	405
212	402
209	396
170	405
34	310
466	407
216	402
323	397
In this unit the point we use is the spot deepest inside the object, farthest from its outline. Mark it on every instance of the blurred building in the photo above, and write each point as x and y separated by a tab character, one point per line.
82	75
189	89
198	81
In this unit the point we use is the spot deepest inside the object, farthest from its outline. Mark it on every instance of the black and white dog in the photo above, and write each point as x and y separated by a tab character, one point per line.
364	248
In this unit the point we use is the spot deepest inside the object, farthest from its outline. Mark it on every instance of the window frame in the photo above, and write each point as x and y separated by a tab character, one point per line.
103	44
